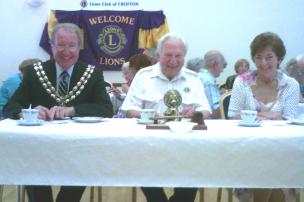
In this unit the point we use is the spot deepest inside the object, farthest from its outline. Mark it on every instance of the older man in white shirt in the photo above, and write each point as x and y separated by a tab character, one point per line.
151	83
147	91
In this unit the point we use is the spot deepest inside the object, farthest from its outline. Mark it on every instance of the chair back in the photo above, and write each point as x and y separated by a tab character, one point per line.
224	104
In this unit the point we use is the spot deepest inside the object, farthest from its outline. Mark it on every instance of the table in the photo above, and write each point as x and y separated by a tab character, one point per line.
120	152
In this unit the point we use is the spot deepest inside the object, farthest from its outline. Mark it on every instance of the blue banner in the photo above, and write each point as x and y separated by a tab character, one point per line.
110	37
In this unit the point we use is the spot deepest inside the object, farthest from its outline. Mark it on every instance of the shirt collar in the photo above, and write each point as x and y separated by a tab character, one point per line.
210	76
206	70
156	72
59	70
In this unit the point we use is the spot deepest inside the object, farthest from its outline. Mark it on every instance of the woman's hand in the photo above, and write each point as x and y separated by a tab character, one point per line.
270	116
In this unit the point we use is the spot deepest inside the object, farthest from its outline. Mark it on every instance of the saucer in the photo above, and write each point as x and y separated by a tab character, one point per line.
22	122
250	124
297	121
140	121
88	119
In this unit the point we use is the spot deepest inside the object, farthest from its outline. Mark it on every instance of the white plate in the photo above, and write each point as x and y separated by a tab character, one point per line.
140	121
22	122
88	119
250	124
297	121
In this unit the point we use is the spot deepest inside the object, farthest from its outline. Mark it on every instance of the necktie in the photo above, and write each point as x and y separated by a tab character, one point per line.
63	83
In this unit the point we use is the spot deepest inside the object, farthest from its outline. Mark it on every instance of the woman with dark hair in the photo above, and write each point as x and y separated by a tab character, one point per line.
138	61
270	92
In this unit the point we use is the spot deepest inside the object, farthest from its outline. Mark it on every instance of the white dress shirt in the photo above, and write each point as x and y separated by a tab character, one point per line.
149	86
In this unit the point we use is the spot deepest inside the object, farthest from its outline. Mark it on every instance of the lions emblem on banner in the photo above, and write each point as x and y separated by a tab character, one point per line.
112	40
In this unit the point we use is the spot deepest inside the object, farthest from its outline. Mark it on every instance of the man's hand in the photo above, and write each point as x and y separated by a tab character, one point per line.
43	113
133	113
187	111
58	112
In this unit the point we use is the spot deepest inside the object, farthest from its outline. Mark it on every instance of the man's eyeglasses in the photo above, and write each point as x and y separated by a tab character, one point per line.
72	47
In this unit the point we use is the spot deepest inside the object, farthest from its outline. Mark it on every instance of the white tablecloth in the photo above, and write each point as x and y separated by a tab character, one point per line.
120	152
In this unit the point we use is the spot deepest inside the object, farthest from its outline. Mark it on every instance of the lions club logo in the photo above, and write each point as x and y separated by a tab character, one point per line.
83	3
112	40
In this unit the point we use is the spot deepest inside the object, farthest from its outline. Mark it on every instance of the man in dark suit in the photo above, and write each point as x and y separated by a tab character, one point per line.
41	88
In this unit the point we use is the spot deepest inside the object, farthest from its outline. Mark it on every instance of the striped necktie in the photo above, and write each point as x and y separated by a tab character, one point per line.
63	83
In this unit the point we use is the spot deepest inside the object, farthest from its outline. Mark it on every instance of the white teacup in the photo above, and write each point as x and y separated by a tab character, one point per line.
248	116
147	114
30	115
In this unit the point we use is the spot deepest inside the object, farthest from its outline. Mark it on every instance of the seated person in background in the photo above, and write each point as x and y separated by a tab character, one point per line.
290	66
151	53
126	73
118	93
10	85
241	66
195	64
223	89
215	63
295	68
270	92
53	101
136	62
147	92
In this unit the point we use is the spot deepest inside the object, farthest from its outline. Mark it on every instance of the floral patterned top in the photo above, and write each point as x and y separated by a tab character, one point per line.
242	96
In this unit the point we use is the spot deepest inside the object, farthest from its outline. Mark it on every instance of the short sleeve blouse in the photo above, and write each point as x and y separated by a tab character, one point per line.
242	96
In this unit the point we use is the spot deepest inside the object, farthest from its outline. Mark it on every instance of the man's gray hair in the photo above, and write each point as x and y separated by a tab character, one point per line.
213	56
69	27
171	36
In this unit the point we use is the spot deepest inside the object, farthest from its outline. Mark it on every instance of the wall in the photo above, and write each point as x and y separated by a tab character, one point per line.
226	25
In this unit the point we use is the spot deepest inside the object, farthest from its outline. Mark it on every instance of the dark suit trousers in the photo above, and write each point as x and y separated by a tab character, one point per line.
44	193
154	194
